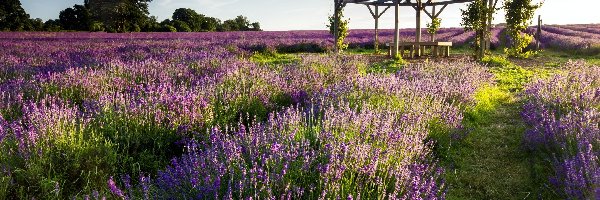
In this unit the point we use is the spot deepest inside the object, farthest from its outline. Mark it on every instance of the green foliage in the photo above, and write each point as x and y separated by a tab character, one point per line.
52	25
475	18
211	24
509	76
399	60
77	18
142	144
118	15
240	23
273	58
97	27
488	99
388	66
342	29
12	16
167	28
71	159
496	61
433	27
189	17
181	26
519	14
36	24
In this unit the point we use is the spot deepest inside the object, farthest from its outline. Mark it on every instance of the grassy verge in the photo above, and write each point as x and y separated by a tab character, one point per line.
488	162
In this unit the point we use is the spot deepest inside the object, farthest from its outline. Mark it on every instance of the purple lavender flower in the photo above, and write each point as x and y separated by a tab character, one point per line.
114	189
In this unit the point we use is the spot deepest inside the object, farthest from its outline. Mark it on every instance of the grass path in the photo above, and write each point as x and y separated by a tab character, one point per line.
489	162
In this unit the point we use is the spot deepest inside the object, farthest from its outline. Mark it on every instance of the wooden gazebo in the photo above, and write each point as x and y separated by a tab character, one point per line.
419	6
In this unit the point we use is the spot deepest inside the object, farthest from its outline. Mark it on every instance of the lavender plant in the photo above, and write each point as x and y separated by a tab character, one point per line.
564	118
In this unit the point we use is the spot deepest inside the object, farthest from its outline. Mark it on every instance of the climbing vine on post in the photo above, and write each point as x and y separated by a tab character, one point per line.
478	17
519	15
338	26
433	27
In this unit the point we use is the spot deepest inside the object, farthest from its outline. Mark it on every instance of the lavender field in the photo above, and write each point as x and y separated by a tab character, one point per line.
195	116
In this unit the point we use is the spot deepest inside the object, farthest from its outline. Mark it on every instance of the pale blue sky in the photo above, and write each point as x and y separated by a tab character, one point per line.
312	14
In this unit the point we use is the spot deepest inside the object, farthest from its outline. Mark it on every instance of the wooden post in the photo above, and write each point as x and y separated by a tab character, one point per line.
488	39
335	25
376	15
376	29
396	28
538	34
434	17
418	29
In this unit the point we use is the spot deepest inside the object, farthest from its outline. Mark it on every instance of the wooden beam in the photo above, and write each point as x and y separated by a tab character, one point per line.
380	14
371	11
405	3
429	14
441	10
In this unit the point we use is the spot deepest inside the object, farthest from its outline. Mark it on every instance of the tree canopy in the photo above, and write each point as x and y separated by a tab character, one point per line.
117	16
12	16
120	15
76	18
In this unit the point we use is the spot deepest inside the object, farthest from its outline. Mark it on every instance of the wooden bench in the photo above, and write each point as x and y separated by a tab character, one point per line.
437	48
401	48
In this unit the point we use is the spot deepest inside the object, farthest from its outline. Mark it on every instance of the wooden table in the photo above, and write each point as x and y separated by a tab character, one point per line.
437	48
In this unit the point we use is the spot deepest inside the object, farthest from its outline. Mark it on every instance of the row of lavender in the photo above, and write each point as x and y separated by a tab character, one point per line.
582	38
564	115
285	41
569	37
151	117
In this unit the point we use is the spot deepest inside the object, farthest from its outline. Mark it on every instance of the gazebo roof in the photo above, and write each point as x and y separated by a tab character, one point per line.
405	2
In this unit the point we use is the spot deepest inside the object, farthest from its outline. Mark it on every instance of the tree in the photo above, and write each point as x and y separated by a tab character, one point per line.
211	24
36	24
120	15
52	25
181	26
190	17
242	23
433	27
255	26
229	25
12	16
478	17
76	18
519	14
151	25
338	27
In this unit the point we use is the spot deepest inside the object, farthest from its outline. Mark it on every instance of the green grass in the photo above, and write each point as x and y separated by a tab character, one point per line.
273	58
559	57
362	51
509	76
386	66
488	162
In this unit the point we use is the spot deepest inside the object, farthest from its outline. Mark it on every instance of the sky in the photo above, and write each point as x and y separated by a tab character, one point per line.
281	15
